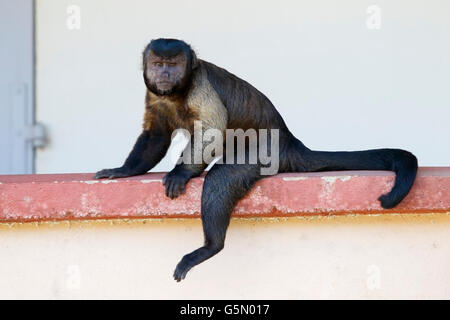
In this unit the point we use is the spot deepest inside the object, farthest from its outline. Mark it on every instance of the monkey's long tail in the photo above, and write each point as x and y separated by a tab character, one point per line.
402	162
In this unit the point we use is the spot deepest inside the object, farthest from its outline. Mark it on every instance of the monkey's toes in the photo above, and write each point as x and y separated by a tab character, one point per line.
180	271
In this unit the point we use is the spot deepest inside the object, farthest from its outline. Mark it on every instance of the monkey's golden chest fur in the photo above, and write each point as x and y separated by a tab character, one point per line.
201	103
175	112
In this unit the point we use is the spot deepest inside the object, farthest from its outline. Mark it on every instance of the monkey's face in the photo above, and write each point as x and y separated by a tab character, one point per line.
165	75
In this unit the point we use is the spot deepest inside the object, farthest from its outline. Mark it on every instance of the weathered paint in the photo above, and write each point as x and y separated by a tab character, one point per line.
332	180
294	178
77	196
151	180
109	181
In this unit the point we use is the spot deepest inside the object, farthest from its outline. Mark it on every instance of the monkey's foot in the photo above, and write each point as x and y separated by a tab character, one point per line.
111	173
182	269
175	182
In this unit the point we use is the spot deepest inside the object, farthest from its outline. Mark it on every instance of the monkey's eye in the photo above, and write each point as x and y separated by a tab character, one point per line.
158	64
171	64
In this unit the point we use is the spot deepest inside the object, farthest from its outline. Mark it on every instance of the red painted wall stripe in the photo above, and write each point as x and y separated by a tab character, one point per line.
26	198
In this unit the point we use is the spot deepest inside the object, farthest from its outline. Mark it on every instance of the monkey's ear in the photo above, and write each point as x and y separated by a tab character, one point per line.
194	61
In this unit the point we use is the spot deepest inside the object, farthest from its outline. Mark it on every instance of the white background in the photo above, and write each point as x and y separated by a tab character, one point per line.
338	84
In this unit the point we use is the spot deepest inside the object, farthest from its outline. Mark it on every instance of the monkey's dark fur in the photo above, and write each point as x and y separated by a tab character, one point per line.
213	95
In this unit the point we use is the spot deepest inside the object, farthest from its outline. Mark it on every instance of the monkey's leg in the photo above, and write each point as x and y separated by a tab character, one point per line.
224	185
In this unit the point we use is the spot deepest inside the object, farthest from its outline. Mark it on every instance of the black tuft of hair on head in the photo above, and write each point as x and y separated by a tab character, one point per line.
168	48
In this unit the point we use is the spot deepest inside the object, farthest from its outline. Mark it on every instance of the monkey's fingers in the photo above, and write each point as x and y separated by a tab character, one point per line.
175	186
169	189
172	189
102	174
111	173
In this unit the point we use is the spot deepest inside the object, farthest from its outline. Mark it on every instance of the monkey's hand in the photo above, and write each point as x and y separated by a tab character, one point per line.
112	173
175	182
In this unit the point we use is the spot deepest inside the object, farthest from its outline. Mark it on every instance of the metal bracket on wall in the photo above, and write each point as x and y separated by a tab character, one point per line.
37	135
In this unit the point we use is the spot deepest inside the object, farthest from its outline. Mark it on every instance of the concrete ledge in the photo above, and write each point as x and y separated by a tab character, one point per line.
28	198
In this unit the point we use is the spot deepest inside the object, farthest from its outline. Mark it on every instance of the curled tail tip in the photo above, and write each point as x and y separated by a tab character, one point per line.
406	171
388	202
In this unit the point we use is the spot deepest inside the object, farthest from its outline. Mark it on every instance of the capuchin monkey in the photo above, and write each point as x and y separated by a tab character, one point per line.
181	90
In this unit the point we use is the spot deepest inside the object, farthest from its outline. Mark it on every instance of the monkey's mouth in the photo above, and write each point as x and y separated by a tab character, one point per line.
164	86
164	83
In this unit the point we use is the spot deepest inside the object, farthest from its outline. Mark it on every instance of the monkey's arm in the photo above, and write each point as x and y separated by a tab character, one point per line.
149	149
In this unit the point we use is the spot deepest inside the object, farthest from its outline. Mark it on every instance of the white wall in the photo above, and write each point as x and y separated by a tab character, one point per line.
339	85
352	257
